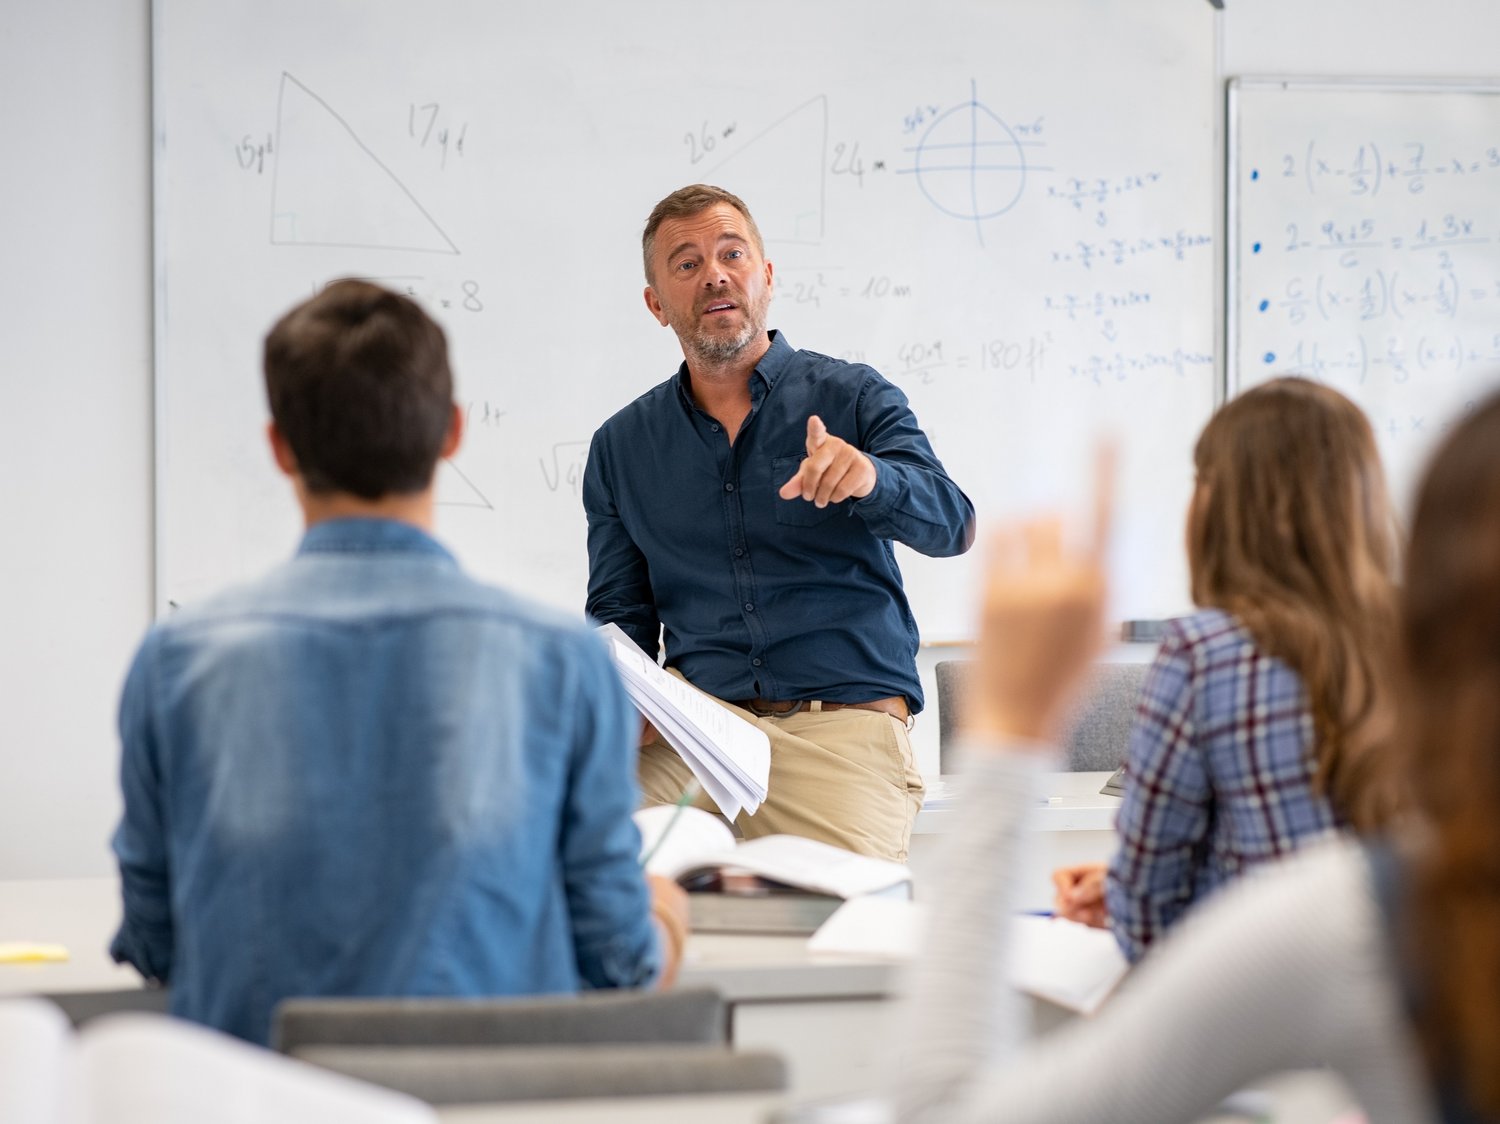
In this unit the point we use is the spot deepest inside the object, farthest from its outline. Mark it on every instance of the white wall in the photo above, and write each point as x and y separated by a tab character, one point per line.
75	392
75	417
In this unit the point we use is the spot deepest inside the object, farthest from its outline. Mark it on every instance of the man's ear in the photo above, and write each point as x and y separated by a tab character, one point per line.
286	460
455	436
654	304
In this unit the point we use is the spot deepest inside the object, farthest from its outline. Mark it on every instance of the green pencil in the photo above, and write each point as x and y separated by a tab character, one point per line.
687	797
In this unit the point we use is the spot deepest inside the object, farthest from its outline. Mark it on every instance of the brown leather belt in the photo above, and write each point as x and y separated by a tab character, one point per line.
895	706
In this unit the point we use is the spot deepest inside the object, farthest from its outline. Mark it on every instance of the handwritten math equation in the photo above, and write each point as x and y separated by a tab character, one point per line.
1095	193
1411	167
1346	240
563	467
483	412
819	287
1120	366
926	360
1373	270
1377	295
1121	251
1362	357
439	294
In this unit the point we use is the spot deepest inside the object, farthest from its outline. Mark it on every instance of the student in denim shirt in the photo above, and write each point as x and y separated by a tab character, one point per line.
366	773
748	506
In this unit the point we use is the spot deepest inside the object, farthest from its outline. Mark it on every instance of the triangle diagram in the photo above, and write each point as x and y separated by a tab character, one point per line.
780	173
329	189
454	489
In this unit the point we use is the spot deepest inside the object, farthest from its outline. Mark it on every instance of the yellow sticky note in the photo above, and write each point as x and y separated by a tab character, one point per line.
30	952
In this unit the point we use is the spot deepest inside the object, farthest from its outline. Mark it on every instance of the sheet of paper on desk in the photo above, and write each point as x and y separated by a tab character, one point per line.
1072	965
729	756
872	926
1065	963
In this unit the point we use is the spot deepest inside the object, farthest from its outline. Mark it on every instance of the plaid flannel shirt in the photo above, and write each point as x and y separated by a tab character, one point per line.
1219	775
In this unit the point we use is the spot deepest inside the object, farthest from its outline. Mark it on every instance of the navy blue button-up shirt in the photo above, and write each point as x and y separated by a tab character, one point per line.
761	596
368	774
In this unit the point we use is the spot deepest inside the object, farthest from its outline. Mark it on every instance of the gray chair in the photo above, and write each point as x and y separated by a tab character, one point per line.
1100	724
475	1051
84	1006
474	1075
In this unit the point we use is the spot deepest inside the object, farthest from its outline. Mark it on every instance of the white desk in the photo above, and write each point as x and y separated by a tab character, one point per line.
816	1010
822	1012
81	914
1303	1097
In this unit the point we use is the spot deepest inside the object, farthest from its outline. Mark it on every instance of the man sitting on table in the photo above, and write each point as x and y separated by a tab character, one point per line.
366	773
749	504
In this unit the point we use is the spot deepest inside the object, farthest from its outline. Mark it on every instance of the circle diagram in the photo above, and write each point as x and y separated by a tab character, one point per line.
969	164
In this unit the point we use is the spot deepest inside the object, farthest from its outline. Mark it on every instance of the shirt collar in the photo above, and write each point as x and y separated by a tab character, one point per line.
770	367
370	536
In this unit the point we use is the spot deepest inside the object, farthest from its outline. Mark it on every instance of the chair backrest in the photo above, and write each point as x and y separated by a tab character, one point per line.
476	1051
683	1015
1100	723
484	1075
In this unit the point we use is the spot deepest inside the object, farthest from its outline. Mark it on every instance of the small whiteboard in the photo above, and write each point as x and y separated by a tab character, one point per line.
1006	209
1364	249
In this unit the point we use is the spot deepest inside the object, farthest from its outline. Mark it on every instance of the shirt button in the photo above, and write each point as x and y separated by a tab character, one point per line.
729	487
714	427
739	552
755	662
749	607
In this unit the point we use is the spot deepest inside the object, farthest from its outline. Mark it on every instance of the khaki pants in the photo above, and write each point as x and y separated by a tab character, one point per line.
844	777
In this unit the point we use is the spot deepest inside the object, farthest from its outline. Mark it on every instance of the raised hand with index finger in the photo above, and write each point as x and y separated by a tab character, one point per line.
832	471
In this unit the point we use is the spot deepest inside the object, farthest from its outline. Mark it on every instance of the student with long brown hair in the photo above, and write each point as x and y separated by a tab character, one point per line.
1446	896
1261	709
1379	961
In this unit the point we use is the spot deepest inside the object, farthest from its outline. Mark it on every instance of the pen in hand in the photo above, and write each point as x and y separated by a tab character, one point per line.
687	797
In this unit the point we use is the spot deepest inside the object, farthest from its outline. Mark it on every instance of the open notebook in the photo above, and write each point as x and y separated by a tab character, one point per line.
774	884
140	1068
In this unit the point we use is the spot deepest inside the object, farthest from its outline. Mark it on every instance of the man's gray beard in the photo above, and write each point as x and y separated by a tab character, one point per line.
720	349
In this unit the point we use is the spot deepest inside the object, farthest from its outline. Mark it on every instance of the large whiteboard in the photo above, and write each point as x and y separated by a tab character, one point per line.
1006	208
1365	249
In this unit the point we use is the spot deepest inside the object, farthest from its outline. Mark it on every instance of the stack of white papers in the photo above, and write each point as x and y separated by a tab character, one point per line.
730	757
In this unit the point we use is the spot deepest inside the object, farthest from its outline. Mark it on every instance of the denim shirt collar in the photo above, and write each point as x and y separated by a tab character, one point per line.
370	536
770	367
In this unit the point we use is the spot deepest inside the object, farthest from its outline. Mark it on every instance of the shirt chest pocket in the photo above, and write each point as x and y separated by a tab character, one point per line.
797	512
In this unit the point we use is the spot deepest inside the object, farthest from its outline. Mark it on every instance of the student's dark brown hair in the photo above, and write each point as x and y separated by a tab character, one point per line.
359	385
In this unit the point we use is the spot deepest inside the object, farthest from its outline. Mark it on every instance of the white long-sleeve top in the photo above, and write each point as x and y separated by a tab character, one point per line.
1287	969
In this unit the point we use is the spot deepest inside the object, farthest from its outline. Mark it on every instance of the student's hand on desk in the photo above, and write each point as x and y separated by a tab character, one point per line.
1080	894
1042	622
669	909
833	470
